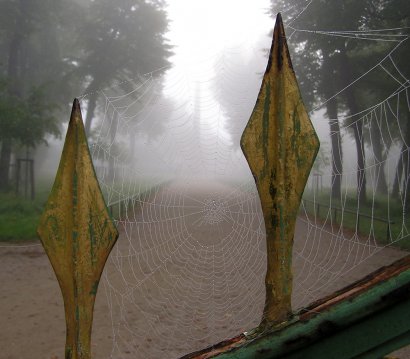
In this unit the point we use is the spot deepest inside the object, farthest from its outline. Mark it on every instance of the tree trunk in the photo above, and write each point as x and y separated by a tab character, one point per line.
92	104
5	156
132	140
14	58
361	174
406	186
113	133
399	172
331	109
346	74
337	155
406	160
375	133
13	89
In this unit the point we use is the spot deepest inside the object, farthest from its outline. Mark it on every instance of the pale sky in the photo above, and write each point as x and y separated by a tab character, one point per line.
199	27
202	32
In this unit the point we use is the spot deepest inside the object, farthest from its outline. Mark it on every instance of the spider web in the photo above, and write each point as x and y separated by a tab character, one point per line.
188	269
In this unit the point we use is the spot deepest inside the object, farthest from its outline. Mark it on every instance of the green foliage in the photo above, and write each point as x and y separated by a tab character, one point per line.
53	50
120	41
19	217
11	112
340	70
39	119
125	38
26	121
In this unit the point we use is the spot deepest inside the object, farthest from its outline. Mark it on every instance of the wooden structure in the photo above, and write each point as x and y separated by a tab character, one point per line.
367	319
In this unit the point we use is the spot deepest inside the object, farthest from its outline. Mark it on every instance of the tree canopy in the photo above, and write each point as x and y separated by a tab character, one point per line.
337	45
51	51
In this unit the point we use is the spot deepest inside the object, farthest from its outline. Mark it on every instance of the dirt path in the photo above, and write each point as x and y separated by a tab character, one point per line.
146	292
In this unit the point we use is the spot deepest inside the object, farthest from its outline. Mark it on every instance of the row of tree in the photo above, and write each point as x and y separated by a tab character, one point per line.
332	54
52	50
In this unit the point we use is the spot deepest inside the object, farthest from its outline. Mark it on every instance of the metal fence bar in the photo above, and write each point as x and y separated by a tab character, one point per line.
77	234
280	145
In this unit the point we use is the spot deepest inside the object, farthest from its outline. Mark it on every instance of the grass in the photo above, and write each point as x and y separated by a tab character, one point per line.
146	189
378	209
19	217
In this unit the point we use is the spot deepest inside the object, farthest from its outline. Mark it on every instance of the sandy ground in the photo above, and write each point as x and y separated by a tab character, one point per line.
152	304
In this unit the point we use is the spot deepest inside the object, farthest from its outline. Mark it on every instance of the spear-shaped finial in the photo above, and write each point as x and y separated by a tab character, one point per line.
280	145
77	234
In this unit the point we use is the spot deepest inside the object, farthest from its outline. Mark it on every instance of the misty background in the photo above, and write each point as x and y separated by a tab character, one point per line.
166	89
186	74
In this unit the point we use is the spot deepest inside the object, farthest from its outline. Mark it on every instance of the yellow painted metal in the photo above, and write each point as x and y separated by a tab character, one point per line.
77	234
280	145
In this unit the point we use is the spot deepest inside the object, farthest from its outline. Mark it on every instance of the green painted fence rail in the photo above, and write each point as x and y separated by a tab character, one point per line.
368	319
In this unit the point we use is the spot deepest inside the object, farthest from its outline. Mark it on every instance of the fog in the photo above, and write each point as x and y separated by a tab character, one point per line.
174	123
177	105
166	89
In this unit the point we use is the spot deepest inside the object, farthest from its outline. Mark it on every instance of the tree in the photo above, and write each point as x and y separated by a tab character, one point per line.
31	68
28	120
314	61
396	13
120	41
342	59
328	90
237	94
63	48
16	32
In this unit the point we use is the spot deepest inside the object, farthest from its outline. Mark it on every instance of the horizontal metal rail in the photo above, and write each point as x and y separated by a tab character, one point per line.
335	210
368	319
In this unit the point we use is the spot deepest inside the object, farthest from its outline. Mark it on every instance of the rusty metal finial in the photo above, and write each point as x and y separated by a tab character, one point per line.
77	234
280	145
